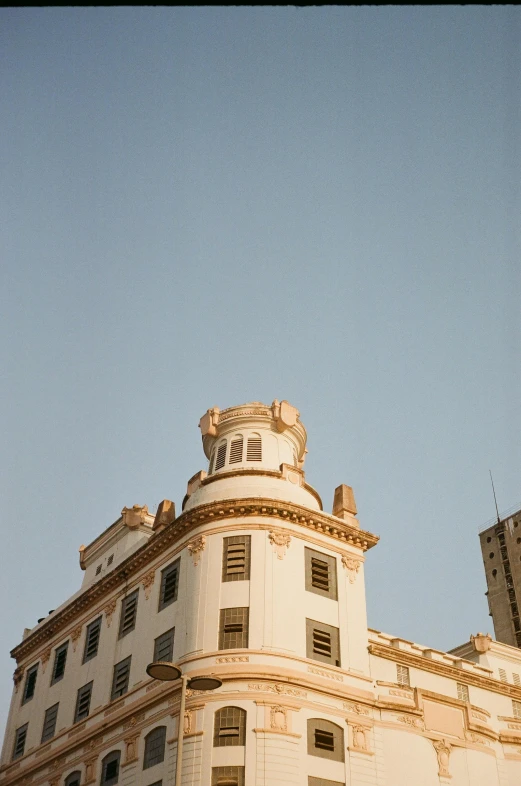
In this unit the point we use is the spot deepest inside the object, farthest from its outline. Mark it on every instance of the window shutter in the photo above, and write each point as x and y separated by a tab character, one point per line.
120	678
229	727
221	456
30	683
236	450
128	614
169	584
164	646
60	658
83	702
233	631
254	449
19	741
236	558
49	723
402	675
92	640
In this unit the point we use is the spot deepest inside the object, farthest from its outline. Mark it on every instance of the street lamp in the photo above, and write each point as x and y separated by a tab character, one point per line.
167	672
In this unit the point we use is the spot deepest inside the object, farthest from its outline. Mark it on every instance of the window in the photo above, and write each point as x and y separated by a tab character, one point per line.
92	640
19	741
73	779
254	448
227	776
236	558
403	676
321	573
323	782
503	675
169	584
154	747
221	456
83	702
164	646
516	708
120	678
236	449
30	683
128	614
229	727
322	642
517	680
60	658
110	769
212	459
325	739
110	559
49	723
463	691
98	570
233	630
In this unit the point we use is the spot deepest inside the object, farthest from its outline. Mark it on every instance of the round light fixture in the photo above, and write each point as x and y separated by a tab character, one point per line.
204	683
162	670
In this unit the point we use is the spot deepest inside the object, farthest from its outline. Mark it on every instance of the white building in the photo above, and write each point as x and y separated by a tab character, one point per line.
254	583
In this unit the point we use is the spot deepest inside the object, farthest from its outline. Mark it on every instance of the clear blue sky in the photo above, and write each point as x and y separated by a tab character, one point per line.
201	207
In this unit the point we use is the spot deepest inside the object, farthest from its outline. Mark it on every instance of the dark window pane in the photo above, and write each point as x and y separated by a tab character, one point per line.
110	769
60	659
19	741
169	584
154	747
30	684
164	646
325	739
120	678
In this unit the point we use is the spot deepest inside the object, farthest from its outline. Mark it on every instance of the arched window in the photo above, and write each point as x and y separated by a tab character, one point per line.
230	727
254	448
221	456
236	449
325	739
110	769
154	747
74	779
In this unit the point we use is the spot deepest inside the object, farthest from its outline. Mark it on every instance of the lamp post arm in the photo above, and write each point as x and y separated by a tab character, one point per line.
180	732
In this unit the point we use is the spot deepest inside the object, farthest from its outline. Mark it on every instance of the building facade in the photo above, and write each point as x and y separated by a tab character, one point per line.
501	550
253	582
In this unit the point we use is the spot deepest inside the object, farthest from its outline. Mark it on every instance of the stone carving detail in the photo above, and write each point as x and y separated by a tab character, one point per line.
18	676
473	737
481	642
188	721
352	566
109	610
516	726
404	694
148	582
234	659
359	736
412	721
279	718
324	673
135	719
90	769
479	716
75	635
280	542
358	708
443	749
134	516
195	547
131	744
277	688
45	658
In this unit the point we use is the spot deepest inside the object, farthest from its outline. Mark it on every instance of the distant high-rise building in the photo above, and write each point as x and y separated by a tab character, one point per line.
501	549
228	646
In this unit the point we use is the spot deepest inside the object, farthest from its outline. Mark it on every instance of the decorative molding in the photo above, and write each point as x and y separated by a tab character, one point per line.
195	547
352	566
443	749
323	673
481	642
234	659
188	722
279	718
471	736
403	694
156	545
18	675
358	708
277	688
135	516
360	739
148	582
45	657
109	610
90	769
412	721
131	748
280	541
135	719
75	635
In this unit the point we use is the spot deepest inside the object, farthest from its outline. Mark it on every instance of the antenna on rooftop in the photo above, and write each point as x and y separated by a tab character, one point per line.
495	500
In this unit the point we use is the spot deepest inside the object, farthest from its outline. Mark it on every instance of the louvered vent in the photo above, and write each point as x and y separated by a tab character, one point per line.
221	456
236	449
322	643
254	449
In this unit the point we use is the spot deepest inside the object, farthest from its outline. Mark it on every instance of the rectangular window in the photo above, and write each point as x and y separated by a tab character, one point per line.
503	675
30	684
236	558
164	646
83	702
49	723
403	676
92	640
60	658
321	574
19	741
233	630
322	642
516	679
516	708
120	678
128	614
463	691
227	776
169	584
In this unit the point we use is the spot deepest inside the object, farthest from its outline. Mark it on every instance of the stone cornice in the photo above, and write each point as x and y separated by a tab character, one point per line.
445	670
181	527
